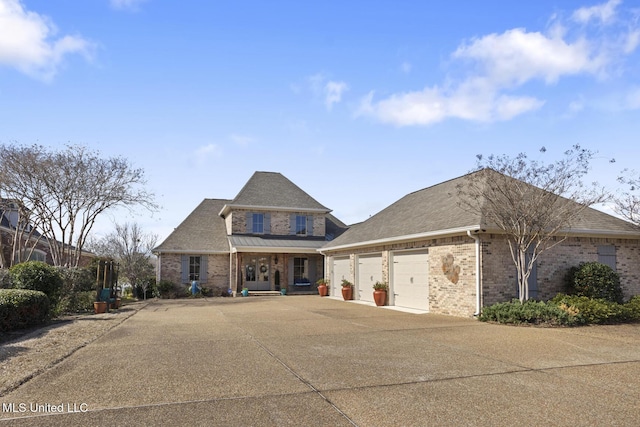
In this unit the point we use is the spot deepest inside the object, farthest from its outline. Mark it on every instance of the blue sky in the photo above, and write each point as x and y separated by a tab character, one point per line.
358	102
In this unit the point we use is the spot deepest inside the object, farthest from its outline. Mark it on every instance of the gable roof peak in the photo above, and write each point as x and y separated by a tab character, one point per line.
272	190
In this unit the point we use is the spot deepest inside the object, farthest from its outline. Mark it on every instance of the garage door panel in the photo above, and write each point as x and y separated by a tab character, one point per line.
369	272
341	270
411	280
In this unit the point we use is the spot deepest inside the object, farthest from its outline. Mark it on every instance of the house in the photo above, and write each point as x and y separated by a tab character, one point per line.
265	239
19	241
440	258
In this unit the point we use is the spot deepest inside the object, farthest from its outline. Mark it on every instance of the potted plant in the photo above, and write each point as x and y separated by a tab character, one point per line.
347	289
322	287
245	292
380	293
99	306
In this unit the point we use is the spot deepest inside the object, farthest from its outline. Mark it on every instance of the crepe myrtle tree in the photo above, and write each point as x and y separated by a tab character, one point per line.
533	203
131	247
67	190
627	200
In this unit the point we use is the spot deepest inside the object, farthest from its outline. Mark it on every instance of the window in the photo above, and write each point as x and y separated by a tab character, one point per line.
607	256
194	268
258	223
300	270
301	225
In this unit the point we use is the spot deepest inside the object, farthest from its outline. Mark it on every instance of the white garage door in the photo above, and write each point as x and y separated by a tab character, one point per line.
410	279
369	272
341	271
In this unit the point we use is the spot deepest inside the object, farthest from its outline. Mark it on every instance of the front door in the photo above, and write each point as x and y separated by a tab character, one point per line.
256	273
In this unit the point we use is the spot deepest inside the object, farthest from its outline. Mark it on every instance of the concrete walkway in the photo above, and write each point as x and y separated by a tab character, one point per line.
311	361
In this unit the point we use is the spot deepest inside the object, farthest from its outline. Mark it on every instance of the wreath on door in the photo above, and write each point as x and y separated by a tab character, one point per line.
263	269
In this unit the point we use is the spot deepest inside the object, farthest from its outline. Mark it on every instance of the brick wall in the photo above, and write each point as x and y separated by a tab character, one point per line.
170	268
280	222
499	273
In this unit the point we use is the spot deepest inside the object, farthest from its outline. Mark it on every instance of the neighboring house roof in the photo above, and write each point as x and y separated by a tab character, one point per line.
203	231
272	190
435	211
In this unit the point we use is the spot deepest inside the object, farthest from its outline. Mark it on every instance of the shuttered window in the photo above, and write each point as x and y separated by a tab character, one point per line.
607	255
194	267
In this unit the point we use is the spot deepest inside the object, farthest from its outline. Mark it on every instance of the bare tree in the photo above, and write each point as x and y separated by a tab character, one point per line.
627	202
532	203
131	248
67	190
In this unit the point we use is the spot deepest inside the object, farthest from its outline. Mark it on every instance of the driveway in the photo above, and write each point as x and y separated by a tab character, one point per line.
306	360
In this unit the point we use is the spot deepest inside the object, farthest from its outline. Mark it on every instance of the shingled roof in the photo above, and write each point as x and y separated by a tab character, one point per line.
436	211
203	231
274	190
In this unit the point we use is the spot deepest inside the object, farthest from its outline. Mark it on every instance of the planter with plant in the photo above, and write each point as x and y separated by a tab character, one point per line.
380	293
347	290
322	287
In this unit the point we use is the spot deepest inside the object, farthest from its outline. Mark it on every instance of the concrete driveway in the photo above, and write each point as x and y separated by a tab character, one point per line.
311	361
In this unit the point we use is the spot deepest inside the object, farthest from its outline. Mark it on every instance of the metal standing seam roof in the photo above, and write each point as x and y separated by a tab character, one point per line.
274	243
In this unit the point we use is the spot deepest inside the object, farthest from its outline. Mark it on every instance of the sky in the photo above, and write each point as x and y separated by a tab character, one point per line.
359	103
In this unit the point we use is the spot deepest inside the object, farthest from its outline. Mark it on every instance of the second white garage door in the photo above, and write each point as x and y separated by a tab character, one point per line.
369	272
410	279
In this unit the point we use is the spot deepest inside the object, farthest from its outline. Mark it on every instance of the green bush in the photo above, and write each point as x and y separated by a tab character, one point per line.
595	280
167	289
37	276
76	302
531	312
22	308
78	291
595	311
5	279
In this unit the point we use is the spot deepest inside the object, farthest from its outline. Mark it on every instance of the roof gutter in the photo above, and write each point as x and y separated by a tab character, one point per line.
227	208
404	238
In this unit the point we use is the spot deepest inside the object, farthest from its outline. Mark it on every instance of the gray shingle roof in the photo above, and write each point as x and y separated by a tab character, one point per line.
272	189
436	209
203	231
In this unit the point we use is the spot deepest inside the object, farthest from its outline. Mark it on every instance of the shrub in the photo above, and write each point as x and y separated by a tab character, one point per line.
532	312
589	310
5	279
37	276
167	289
595	280
22	308
78	290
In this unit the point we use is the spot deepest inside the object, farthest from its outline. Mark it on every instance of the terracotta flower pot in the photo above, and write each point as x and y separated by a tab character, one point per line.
347	293
322	290
100	306
380	297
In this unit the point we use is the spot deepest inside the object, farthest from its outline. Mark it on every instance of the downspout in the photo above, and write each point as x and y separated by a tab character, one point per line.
477	239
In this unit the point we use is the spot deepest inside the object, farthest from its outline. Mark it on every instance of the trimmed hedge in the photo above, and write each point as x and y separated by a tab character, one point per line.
563	310
37	276
531	312
22	308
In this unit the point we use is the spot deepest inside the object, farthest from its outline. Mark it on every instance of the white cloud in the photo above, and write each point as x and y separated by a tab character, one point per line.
497	65
330	91
131	5
27	42
604	12
333	93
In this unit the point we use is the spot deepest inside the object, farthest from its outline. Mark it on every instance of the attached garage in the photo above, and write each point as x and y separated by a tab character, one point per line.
410	279
341	270
369	271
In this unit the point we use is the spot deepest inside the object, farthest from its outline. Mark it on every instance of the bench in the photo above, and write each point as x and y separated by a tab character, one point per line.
105	296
